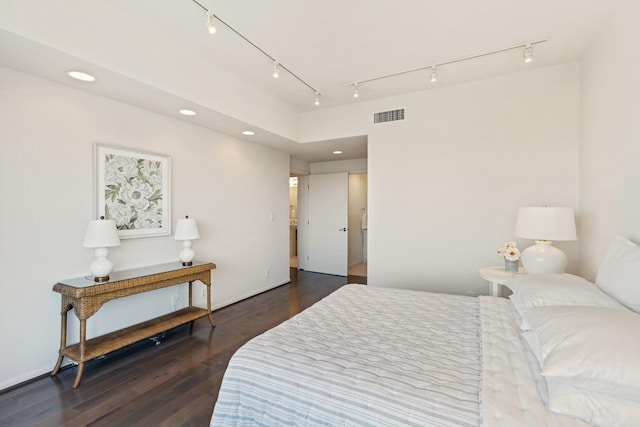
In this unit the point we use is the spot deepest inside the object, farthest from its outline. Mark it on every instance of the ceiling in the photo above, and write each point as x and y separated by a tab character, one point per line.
326	43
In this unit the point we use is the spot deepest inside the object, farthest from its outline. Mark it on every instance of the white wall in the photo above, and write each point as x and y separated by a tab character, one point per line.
46	184
466	157
299	167
337	166
610	129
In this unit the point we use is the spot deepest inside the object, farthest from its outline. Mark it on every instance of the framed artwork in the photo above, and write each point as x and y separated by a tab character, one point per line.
134	189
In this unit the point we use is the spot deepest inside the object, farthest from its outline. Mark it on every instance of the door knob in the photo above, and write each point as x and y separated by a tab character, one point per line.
342	229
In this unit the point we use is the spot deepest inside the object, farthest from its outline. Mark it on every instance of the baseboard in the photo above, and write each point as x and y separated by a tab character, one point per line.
249	295
30	376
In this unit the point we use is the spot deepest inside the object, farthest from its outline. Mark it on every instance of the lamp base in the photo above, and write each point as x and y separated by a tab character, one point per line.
187	254
101	266
543	258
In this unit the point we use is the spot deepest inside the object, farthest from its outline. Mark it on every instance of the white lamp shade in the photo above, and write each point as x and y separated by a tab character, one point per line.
101	233
186	229
546	223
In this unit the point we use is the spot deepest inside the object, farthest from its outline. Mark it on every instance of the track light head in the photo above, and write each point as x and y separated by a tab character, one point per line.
276	70
356	92
434	74
317	100
210	27
528	53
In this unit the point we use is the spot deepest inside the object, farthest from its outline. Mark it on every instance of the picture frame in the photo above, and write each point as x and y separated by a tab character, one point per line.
134	189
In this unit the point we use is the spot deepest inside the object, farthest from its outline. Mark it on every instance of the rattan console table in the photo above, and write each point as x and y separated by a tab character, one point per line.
86	297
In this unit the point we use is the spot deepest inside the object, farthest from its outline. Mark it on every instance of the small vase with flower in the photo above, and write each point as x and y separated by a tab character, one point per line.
511	254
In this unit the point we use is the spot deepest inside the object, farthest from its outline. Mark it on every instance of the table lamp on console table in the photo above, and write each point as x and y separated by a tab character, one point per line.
187	230
101	234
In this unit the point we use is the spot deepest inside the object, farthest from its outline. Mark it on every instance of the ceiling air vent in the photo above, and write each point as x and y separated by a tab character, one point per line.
388	116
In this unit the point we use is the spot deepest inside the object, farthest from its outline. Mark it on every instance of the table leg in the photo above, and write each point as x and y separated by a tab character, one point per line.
495	289
213	322
190	305
76	383
63	341
83	345
58	365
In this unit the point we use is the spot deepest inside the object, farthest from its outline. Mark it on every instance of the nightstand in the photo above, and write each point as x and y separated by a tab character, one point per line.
498	277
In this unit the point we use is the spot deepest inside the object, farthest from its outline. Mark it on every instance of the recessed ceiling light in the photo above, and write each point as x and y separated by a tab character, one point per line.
186	112
248	132
79	75
337	152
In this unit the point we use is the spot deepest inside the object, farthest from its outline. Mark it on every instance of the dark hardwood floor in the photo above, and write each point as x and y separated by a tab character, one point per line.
175	383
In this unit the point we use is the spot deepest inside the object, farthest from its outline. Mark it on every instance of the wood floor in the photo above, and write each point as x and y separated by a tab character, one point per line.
174	383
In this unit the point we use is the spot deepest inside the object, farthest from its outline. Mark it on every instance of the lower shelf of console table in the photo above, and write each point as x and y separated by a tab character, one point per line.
99	346
86	297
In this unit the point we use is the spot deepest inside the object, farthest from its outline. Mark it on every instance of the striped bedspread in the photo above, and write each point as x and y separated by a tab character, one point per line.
363	356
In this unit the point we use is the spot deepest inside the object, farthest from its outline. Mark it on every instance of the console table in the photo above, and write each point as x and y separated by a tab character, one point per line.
86	297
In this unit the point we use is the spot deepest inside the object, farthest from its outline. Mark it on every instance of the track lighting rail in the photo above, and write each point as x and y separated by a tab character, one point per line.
277	65
273	60
451	61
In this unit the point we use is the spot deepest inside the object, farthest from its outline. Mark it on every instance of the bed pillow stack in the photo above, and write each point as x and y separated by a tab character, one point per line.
586	338
543	290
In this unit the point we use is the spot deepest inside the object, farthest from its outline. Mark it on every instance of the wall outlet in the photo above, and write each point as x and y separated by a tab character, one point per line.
267	273
203	292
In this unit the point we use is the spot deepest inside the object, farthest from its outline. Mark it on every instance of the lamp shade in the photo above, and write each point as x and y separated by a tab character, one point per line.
186	229
546	223
101	233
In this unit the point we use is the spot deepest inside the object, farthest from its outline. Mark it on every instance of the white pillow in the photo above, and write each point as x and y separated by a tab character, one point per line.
596	408
619	272
541	290
590	359
573	397
521	309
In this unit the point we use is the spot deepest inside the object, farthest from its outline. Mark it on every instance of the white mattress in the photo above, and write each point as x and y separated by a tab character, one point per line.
386	357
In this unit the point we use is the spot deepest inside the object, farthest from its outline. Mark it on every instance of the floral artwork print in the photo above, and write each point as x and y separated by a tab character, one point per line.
133	188
134	191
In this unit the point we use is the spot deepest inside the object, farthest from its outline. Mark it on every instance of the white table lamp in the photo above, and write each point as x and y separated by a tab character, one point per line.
101	234
545	224
187	230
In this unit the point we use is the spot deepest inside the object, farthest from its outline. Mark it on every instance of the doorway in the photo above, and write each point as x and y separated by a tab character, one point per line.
313	250
328	223
293	221
358	224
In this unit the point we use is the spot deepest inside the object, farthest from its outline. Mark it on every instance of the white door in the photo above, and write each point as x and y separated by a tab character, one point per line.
328	219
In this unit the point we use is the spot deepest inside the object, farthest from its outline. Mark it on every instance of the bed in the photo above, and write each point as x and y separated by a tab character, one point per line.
369	356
